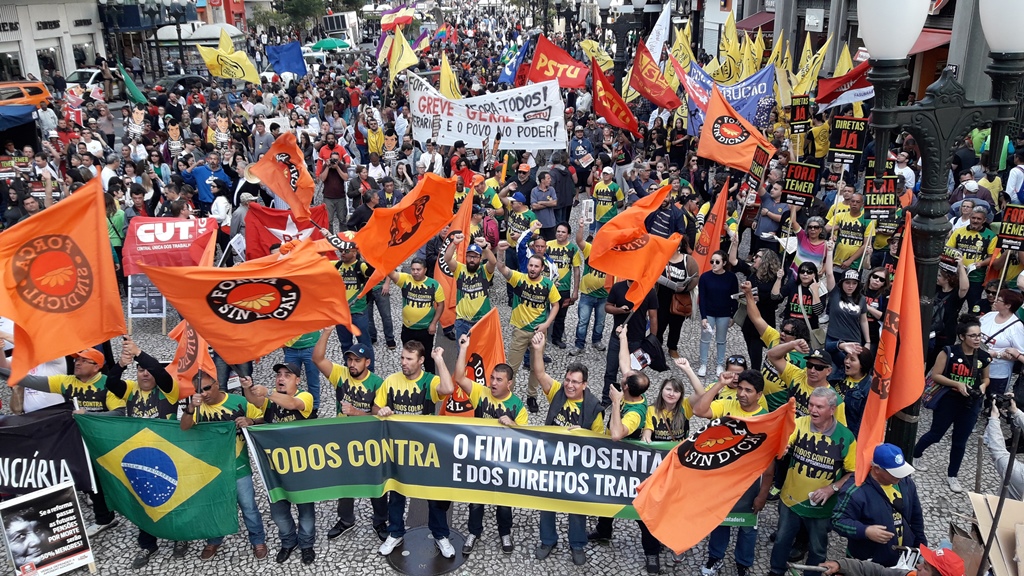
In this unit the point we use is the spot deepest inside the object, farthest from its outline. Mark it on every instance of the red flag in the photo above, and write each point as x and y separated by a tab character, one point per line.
648	80
163	242
609	105
393	234
59	286
898	378
283	171
265	227
727	137
552	63
520	79
847	89
700	480
444	275
694	90
710	238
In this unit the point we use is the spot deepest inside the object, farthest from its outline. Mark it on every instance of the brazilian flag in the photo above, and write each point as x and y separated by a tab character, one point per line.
174	484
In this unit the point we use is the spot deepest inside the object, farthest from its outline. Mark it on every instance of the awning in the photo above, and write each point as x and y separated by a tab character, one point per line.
763	20
930	38
16	115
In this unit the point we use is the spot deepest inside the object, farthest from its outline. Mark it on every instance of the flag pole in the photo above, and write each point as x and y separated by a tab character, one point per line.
1002	275
984	565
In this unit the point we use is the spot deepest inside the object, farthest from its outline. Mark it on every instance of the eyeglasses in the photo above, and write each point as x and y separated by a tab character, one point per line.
877	277
978	335
815	227
207	388
817	367
84	360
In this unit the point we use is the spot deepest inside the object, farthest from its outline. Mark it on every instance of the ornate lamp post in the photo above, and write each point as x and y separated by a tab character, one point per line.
112	11
176	11
567	12
938	122
151	8
620	30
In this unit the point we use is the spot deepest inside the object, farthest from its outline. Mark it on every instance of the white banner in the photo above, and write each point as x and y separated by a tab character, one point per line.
659	34
531	117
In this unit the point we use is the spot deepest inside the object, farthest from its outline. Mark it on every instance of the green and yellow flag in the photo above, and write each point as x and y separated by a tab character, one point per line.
449	83
226	62
134	94
402	55
174	484
593	51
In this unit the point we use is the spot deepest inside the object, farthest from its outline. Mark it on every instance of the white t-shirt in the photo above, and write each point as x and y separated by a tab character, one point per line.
1009	334
908	174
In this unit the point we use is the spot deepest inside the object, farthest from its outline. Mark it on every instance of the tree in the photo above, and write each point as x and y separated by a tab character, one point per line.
266	19
299	12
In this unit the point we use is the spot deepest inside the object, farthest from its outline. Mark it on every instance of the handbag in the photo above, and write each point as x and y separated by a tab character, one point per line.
682	304
933	391
817	334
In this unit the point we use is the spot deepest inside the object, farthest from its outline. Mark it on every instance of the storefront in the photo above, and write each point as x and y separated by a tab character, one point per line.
10	44
83	21
36	37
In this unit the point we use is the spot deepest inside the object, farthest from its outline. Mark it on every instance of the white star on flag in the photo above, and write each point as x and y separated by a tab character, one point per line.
290	231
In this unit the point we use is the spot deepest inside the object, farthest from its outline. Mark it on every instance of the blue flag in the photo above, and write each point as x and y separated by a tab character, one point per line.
508	73
752	98
287	58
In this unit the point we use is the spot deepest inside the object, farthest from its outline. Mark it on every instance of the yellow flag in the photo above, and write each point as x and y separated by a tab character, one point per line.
593	51
783	89
749	66
759	47
681	51
776	57
807	54
845	63
225	62
629	93
807	78
787	59
730	40
402	55
449	84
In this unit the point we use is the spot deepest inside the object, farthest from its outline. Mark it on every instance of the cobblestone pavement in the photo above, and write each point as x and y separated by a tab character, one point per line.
356	551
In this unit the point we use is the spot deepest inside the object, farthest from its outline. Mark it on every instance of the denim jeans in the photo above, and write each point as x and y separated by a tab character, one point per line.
590	305
838	359
437	519
376	299
250	513
359	320
558	324
281	514
721	327
502	515
346	510
462	327
747	538
303	358
224	370
577	530
789	524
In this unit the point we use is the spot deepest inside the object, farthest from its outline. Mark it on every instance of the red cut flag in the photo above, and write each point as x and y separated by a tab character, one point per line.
694	90
393	234
246	311
710	238
283	170
552	63
696	486
609	105
846	89
162	242
265	227
727	137
648	80
898	377
444	275
59	286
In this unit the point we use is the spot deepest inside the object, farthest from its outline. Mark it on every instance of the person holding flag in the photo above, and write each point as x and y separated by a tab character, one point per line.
355	273
472	281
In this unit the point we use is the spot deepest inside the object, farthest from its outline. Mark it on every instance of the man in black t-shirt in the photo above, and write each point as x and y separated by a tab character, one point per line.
620	308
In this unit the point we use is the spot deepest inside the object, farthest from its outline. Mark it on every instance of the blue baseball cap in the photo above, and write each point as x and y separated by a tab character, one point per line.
474	248
890	458
359	351
518	197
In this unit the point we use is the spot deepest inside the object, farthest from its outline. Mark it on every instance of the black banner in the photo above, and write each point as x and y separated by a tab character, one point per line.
42	449
800	120
758	168
1011	230
798	188
881	198
846	140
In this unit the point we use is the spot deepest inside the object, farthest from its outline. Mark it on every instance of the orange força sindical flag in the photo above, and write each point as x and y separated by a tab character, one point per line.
393	234
727	137
283	170
898	377
623	248
701	479
609	105
710	238
58	273
648	80
444	275
486	350
246	311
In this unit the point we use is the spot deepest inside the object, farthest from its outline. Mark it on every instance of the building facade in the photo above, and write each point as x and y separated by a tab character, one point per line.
37	35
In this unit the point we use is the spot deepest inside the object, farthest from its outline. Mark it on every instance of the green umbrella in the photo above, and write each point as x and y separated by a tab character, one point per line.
331	44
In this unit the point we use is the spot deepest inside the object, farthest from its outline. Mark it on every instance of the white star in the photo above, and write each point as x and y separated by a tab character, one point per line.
290	231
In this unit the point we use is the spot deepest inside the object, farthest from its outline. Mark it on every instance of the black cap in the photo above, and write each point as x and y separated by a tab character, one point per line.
459	144
289	366
819	354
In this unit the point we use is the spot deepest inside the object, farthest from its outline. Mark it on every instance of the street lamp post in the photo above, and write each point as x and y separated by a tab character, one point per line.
176	11
937	122
151	8
112	11
620	31
567	12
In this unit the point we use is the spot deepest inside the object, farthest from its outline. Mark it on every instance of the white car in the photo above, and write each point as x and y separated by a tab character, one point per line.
90	78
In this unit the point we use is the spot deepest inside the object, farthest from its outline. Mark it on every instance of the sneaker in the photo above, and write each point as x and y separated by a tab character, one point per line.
711	567
382	531
338	529
506	544
467	547
284	554
209	551
653	564
703	370
392	345
179	550
560	345
531	405
596	536
308	556
575	351
389	545
920	467
954	484
742	570
579	557
543	551
450	333
95	529
600	347
142	558
445	546
719	370
260	551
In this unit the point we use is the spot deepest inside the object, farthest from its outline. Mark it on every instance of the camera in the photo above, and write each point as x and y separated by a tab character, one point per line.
1002	403
334	161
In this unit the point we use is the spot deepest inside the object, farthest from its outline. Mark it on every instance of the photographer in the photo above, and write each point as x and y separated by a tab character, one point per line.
997	444
334	176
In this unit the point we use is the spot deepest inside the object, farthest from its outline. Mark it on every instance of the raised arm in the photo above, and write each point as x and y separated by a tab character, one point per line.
702	405
324	365
777	354
460	377
445	386
753	313
537	362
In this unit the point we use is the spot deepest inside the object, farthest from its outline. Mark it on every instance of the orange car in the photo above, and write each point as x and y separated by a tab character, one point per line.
33	93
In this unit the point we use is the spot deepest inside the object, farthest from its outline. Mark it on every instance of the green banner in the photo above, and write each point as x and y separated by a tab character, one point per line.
447	458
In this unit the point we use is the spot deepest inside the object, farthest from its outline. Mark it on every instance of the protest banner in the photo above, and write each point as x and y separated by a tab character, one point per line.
45	532
798	187
890	167
450	458
800	121
161	241
881	199
38	191
747	96
1011	230
758	168
11	166
42	449
846	141
530	117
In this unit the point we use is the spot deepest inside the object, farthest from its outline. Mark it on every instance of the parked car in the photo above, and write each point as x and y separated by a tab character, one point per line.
90	78
33	93
168	83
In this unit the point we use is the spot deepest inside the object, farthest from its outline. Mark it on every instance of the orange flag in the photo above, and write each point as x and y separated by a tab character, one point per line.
701	479
898	377
283	170
393	234
623	248
191	356
444	275
486	350
246	311
59	286
727	137
710	238
648	80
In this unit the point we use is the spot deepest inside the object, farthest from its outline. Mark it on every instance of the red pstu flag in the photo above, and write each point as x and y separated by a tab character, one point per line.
552	63
609	105
898	378
283	170
648	80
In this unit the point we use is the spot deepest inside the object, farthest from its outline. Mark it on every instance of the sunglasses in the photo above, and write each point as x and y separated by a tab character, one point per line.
788	333
814	227
817	367
737	360
991	292
207	388
807	271
716	261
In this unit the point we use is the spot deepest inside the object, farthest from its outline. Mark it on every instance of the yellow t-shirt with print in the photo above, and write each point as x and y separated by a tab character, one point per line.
487	406
795	381
405	396
565	258
606	199
273	413
472	291
721	408
816	460
92	395
592	281
355	276
727	393
659	422
892	492
232	407
531	300
359	393
418	299
569	414
839	207
775	393
851	232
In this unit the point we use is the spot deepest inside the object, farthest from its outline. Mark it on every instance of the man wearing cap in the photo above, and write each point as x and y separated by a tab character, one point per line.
582	155
211	404
472	281
801	382
284	403
518	220
941	562
489	197
389	197
976	243
458	152
355	273
356	387
851	231
608	199
883	512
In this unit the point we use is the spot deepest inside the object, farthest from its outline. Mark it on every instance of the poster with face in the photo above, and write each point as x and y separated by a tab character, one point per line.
134	129
390	154
175	144
222	135
45	531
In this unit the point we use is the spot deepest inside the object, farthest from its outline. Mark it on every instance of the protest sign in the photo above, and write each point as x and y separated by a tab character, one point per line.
798	187
846	141
42	449
530	117
161	242
800	121
758	168
1011	230
37	190
45	532
881	198
144	299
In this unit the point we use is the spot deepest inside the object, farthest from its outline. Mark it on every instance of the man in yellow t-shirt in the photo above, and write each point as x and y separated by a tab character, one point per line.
472	281
851	230
422	298
567	259
801	382
608	198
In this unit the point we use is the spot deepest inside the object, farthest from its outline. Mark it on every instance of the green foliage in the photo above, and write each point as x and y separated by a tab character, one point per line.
261	17
300	12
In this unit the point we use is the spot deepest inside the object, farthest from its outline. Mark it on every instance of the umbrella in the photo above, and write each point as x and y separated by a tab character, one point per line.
331	44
